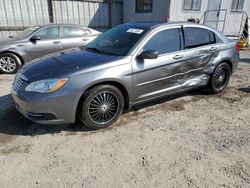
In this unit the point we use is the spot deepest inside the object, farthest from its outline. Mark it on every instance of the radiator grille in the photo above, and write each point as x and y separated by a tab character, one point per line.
19	84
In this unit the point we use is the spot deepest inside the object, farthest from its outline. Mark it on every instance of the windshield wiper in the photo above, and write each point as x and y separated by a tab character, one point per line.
95	49
101	52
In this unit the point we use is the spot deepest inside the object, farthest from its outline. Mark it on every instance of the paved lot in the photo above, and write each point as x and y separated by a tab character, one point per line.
191	140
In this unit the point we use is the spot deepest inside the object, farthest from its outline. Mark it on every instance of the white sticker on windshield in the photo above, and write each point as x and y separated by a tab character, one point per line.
136	31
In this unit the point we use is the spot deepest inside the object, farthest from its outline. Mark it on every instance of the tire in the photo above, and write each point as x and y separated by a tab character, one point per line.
9	63
219	78
101	106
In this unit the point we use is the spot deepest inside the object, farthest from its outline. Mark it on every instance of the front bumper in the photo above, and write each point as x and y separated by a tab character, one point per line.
52	108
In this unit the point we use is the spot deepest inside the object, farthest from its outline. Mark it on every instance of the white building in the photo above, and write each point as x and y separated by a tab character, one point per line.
227	19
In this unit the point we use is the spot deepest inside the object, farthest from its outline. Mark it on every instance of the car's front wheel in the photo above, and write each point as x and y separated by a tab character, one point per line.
9	63
101	106
220	78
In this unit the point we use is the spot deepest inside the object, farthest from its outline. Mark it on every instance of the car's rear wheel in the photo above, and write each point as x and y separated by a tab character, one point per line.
9	63
101	106
220	78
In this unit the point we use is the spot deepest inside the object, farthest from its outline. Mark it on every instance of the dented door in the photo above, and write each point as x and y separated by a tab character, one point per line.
201	52
193	68
157	77
163	75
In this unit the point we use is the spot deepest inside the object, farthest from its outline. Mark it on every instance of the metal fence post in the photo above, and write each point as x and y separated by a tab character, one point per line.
50	10
110	12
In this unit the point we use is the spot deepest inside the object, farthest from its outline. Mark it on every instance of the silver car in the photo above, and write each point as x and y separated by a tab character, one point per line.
38	41
127	65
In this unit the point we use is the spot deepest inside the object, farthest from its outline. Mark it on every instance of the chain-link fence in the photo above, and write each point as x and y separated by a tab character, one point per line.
16	15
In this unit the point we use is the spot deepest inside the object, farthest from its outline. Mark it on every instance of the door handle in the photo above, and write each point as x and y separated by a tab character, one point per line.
205	55
212	49
56	42
178	56
84	39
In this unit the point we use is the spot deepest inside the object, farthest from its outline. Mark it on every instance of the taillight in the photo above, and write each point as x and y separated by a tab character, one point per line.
237	46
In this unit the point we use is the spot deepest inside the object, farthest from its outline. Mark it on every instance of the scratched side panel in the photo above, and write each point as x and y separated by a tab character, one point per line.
152	78
202	62
196	67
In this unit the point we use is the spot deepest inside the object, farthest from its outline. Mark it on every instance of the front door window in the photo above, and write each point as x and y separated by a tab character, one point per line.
48	33
166	41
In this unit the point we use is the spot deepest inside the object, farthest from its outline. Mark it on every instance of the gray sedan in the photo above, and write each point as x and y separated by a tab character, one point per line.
127	65
37	41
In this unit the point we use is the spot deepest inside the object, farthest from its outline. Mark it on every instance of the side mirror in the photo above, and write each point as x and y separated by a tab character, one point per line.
149	54
35	38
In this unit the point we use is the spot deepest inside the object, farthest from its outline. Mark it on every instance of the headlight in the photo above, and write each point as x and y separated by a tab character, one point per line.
46	86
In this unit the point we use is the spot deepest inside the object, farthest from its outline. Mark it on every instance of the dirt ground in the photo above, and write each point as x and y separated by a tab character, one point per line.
189	140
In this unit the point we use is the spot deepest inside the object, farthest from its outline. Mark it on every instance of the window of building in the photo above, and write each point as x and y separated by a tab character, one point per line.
72	31
166	41
195	37
143	6
237	5
193	5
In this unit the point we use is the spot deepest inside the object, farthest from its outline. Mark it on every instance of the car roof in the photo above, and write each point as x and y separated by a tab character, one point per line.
57	24
155	25
144	24
152	25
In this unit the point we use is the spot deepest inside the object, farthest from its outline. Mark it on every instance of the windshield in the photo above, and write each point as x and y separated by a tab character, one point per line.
26	32
118	40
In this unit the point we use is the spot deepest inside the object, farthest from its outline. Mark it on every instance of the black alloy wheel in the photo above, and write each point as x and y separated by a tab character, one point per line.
220	78
101	106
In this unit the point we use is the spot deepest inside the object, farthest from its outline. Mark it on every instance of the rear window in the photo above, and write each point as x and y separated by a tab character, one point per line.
195	37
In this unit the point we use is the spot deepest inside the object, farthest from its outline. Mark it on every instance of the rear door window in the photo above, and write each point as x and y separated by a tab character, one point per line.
166	41
218	39
195	37
72	31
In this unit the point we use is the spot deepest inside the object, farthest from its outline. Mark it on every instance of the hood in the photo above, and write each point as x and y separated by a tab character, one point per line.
64	63
10	41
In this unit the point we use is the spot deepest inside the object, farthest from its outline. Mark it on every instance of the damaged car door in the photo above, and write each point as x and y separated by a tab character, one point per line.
159	73
201	49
